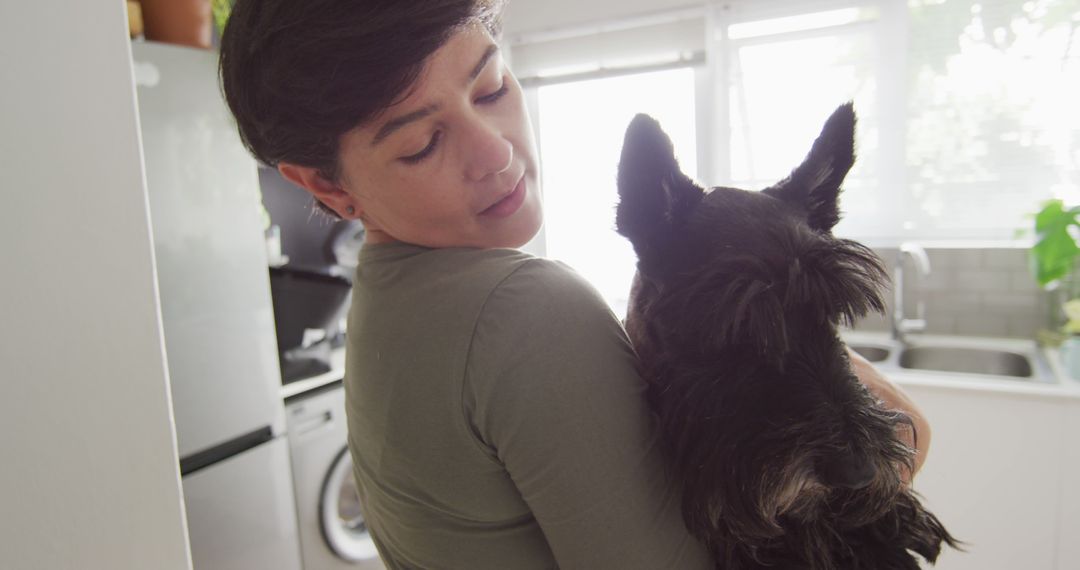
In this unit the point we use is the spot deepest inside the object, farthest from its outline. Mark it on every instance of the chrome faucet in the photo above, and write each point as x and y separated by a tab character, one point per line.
900	325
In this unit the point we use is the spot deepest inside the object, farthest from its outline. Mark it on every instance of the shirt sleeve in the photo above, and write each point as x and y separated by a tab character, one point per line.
552	391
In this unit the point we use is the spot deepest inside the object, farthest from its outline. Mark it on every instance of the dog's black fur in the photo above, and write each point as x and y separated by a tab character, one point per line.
786	459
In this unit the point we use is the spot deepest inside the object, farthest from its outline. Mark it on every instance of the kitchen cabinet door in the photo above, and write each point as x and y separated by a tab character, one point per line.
241	514
993	476
1069	531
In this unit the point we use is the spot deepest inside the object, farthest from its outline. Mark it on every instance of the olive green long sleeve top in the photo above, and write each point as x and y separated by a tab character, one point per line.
497	421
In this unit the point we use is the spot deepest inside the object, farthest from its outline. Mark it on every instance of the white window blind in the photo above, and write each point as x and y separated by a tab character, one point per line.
614	47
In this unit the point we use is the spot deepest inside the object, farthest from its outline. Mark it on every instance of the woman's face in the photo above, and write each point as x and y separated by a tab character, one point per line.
453	164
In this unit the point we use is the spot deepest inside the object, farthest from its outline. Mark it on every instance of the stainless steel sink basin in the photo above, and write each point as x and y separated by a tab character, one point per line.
870	352
970	360
955	358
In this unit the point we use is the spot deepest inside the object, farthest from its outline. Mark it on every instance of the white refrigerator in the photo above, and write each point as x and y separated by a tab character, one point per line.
217	316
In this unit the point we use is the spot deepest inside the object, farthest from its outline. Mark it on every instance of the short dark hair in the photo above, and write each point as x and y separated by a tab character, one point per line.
298	74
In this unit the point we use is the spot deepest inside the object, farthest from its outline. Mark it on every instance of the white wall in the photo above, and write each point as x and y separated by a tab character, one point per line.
90	477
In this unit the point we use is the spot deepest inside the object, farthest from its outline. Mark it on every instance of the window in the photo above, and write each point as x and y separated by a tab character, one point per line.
581	134
968	108
969	111
786	75
993	115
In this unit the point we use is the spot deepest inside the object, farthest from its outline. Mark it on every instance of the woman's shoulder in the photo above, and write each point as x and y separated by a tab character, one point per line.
543	293
400	252
401	266
545	277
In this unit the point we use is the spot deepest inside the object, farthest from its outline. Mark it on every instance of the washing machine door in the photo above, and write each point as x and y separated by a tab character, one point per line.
339	513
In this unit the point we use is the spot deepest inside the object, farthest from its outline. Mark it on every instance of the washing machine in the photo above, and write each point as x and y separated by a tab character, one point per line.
333	535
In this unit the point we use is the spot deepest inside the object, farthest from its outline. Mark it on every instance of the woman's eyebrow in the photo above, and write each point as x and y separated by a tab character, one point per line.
490	51
396	123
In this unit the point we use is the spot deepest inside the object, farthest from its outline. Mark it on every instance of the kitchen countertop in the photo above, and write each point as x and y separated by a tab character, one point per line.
337	372
1054	383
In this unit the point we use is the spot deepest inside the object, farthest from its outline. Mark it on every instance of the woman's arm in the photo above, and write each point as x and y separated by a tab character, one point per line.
895	398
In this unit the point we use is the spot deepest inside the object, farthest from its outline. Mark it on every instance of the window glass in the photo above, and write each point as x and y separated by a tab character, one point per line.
781	93
581	134
968	117
993	113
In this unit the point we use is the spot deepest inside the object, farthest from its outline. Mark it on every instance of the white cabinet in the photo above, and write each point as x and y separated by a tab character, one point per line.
1002	474
239	521
1069	509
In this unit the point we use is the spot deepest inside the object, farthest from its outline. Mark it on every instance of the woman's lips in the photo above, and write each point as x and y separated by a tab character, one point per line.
509	204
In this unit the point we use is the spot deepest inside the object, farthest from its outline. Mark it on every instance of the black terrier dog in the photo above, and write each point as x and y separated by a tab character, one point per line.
785	458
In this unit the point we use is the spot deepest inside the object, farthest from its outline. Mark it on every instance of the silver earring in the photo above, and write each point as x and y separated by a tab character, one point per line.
350	210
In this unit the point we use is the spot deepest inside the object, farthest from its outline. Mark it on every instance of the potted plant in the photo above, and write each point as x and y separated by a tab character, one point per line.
181	22
1070	346
184	22
1053	262
1054	253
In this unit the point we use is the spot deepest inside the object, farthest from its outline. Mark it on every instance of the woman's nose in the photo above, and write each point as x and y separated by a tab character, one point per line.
487	150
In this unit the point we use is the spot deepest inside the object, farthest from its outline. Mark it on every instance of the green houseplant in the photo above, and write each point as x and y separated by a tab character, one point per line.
1054	254
221	10
1053	261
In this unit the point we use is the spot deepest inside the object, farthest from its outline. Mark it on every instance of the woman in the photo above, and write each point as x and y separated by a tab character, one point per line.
495	416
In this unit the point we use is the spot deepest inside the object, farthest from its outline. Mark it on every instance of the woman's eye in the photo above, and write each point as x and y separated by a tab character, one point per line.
494	96
430	148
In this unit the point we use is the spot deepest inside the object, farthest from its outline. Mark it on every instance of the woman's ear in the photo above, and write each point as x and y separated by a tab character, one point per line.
329	193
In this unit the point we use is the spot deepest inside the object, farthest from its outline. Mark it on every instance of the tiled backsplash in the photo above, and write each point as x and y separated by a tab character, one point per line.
980	292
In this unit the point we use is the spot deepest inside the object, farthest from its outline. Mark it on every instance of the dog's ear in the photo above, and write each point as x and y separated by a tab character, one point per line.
655	197
814	186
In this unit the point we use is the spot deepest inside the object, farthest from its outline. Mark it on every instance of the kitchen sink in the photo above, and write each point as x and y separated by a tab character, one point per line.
870	352
969	360
955	357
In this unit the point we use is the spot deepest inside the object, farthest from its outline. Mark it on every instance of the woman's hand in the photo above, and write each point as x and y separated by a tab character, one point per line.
895	398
